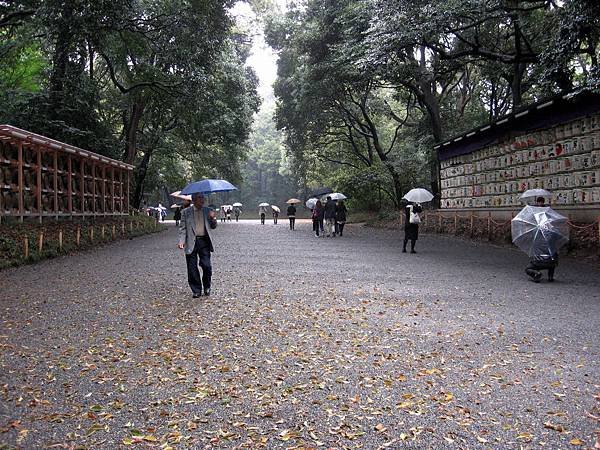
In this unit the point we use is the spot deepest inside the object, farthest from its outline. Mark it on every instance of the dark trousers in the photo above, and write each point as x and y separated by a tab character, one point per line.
275	220
533	270
318	226
340	228
200	254
412	244
292	223
262	218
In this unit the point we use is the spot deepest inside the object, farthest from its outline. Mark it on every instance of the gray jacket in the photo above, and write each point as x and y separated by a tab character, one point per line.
187	226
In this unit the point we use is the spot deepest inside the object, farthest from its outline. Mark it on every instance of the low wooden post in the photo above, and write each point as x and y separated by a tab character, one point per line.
489	225
41	242
60	239
92	233
78	236
439	222
102	231
425	221
26	247
455	223
131	226
114	231
472	218
123	228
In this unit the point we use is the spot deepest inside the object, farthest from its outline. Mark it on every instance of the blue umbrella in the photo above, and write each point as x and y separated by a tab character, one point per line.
208	186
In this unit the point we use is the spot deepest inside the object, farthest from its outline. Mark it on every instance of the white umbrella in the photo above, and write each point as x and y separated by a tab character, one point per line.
175	205
293	201
337	196
418	195
311	202
276	208
229	207
178	194
263	205
535	193
237	204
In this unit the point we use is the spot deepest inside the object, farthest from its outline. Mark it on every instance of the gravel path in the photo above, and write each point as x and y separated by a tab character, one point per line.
305	343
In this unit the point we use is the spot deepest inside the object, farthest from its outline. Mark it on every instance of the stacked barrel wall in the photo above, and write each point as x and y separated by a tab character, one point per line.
564	159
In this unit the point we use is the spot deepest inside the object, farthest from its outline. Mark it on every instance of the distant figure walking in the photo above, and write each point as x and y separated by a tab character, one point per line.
236	212
177	215
263	213
275	216
228	214
340	217
222	214
317	217
291	213
329	215
411	225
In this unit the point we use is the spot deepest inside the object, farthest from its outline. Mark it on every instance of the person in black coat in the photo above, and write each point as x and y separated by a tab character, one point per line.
177	215
291	213
340	217
411	230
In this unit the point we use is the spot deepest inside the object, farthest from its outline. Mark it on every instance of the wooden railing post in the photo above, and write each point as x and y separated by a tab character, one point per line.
41	242
60	239
26	247
455	223
472	218
78	236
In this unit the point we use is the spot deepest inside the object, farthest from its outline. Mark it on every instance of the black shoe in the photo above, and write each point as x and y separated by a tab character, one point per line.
207	292
403	250
412	251
537	277
550	280
197	295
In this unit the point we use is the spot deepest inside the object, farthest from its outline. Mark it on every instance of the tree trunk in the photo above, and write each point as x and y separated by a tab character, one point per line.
140	176
60	60
131	123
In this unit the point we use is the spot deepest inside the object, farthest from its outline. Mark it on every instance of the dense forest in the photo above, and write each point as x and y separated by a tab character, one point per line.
367	87
159	84
364	90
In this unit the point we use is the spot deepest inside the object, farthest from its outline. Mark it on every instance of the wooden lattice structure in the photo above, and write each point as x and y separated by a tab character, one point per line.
41	177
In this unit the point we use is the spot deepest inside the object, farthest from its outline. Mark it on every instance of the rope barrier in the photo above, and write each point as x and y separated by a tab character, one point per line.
579	227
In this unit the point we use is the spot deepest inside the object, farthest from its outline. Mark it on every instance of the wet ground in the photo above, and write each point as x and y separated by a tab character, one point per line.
305	342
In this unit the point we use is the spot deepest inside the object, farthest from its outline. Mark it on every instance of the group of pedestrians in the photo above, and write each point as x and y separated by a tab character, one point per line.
329	218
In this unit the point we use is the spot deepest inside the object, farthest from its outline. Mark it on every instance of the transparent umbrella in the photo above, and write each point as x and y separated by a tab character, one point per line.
311	202
418	195
275	208
535	193
337	196
539	231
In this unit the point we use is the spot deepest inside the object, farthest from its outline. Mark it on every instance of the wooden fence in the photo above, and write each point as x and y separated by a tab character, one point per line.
487	228
41	177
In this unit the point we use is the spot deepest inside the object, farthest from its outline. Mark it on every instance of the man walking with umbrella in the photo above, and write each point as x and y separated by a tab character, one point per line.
194	238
